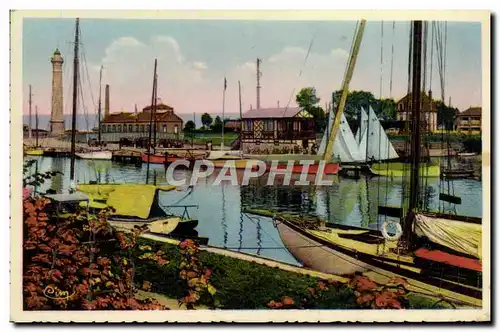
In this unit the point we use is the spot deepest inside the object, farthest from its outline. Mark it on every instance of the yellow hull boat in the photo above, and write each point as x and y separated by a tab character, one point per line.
34	152
401	170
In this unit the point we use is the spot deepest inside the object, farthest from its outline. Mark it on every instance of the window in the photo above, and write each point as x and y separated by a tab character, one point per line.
176	129
119	128
148	128
136	128
114	128
124	128
103	128
130	128
142	128
248	125
269	125
164	128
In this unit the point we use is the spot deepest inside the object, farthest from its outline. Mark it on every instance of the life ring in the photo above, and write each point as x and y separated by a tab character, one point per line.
395	237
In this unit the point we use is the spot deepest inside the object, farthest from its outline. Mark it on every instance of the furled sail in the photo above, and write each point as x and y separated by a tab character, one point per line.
345	147
375	144
457	235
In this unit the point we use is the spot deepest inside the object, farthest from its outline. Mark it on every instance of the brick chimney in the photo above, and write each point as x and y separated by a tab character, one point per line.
106	101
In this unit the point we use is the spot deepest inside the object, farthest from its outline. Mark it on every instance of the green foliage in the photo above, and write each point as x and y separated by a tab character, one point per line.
206	119
217	125
189	127
446	115
306	98
357	100
472	143
247	285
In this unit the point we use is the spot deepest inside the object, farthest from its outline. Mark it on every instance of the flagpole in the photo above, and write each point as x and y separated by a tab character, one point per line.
223	107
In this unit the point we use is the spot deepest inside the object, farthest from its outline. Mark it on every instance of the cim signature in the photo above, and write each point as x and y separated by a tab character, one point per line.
55	293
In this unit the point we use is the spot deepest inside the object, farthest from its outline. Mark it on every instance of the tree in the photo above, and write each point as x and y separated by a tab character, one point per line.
387	109
306	98
206	119
355	101
217	125
446	115
189	127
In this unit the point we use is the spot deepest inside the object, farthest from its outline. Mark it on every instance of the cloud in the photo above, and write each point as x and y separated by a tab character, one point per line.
192	85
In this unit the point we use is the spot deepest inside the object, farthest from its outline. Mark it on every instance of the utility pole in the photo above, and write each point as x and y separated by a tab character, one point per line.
75	102
259	74
29	120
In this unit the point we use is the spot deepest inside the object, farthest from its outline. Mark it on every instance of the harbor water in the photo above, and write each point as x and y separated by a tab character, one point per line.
220	207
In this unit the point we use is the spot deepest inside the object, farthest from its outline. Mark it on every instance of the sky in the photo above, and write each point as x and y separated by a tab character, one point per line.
194	56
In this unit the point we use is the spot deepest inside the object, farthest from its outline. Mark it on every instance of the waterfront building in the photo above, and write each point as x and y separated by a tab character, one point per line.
134	125
469	121
269	129
429	111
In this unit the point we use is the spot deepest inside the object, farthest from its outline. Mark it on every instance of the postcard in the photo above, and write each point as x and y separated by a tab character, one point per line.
244	166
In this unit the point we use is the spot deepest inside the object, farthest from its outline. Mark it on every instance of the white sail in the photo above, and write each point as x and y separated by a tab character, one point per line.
375	144
345	147
362	127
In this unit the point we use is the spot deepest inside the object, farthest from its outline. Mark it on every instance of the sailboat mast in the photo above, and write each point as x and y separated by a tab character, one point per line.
415	137
29	120
151	122
345	89
241	115
75	100
36	125
99	109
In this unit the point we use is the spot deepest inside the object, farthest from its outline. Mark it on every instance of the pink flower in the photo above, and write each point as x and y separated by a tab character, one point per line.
27	192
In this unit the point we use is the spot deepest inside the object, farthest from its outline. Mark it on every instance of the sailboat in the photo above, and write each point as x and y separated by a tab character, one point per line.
99	154
378	152
37	150
235	159
152	157
438	253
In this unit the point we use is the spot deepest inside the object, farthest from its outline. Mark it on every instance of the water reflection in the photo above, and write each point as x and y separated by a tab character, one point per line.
346	201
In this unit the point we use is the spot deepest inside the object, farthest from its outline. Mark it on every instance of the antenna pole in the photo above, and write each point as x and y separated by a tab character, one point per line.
99	109
151	122
36	125
29	120
259	74
75	102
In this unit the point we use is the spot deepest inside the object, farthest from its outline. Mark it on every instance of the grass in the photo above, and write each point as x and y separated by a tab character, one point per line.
246	285
215	138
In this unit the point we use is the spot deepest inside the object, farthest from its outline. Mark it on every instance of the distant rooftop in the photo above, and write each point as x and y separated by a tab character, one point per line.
271	113
471	111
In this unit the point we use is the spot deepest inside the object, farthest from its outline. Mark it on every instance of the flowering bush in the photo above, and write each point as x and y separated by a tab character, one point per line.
73	263
196	275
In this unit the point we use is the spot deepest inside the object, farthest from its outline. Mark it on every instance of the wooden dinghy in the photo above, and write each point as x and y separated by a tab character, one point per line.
134	203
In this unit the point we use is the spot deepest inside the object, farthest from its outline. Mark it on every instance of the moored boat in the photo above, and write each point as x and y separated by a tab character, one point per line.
34	152
98	155
328	168
454	273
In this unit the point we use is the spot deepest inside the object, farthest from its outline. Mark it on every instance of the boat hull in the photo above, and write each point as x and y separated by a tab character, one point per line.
329	168
98	155
238	163
314	255
328	257
160	159
398	169
34	152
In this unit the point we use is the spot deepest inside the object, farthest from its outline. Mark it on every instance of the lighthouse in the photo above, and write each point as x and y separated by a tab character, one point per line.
56	114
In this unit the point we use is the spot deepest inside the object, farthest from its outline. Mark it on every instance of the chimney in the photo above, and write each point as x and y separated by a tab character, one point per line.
106	101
